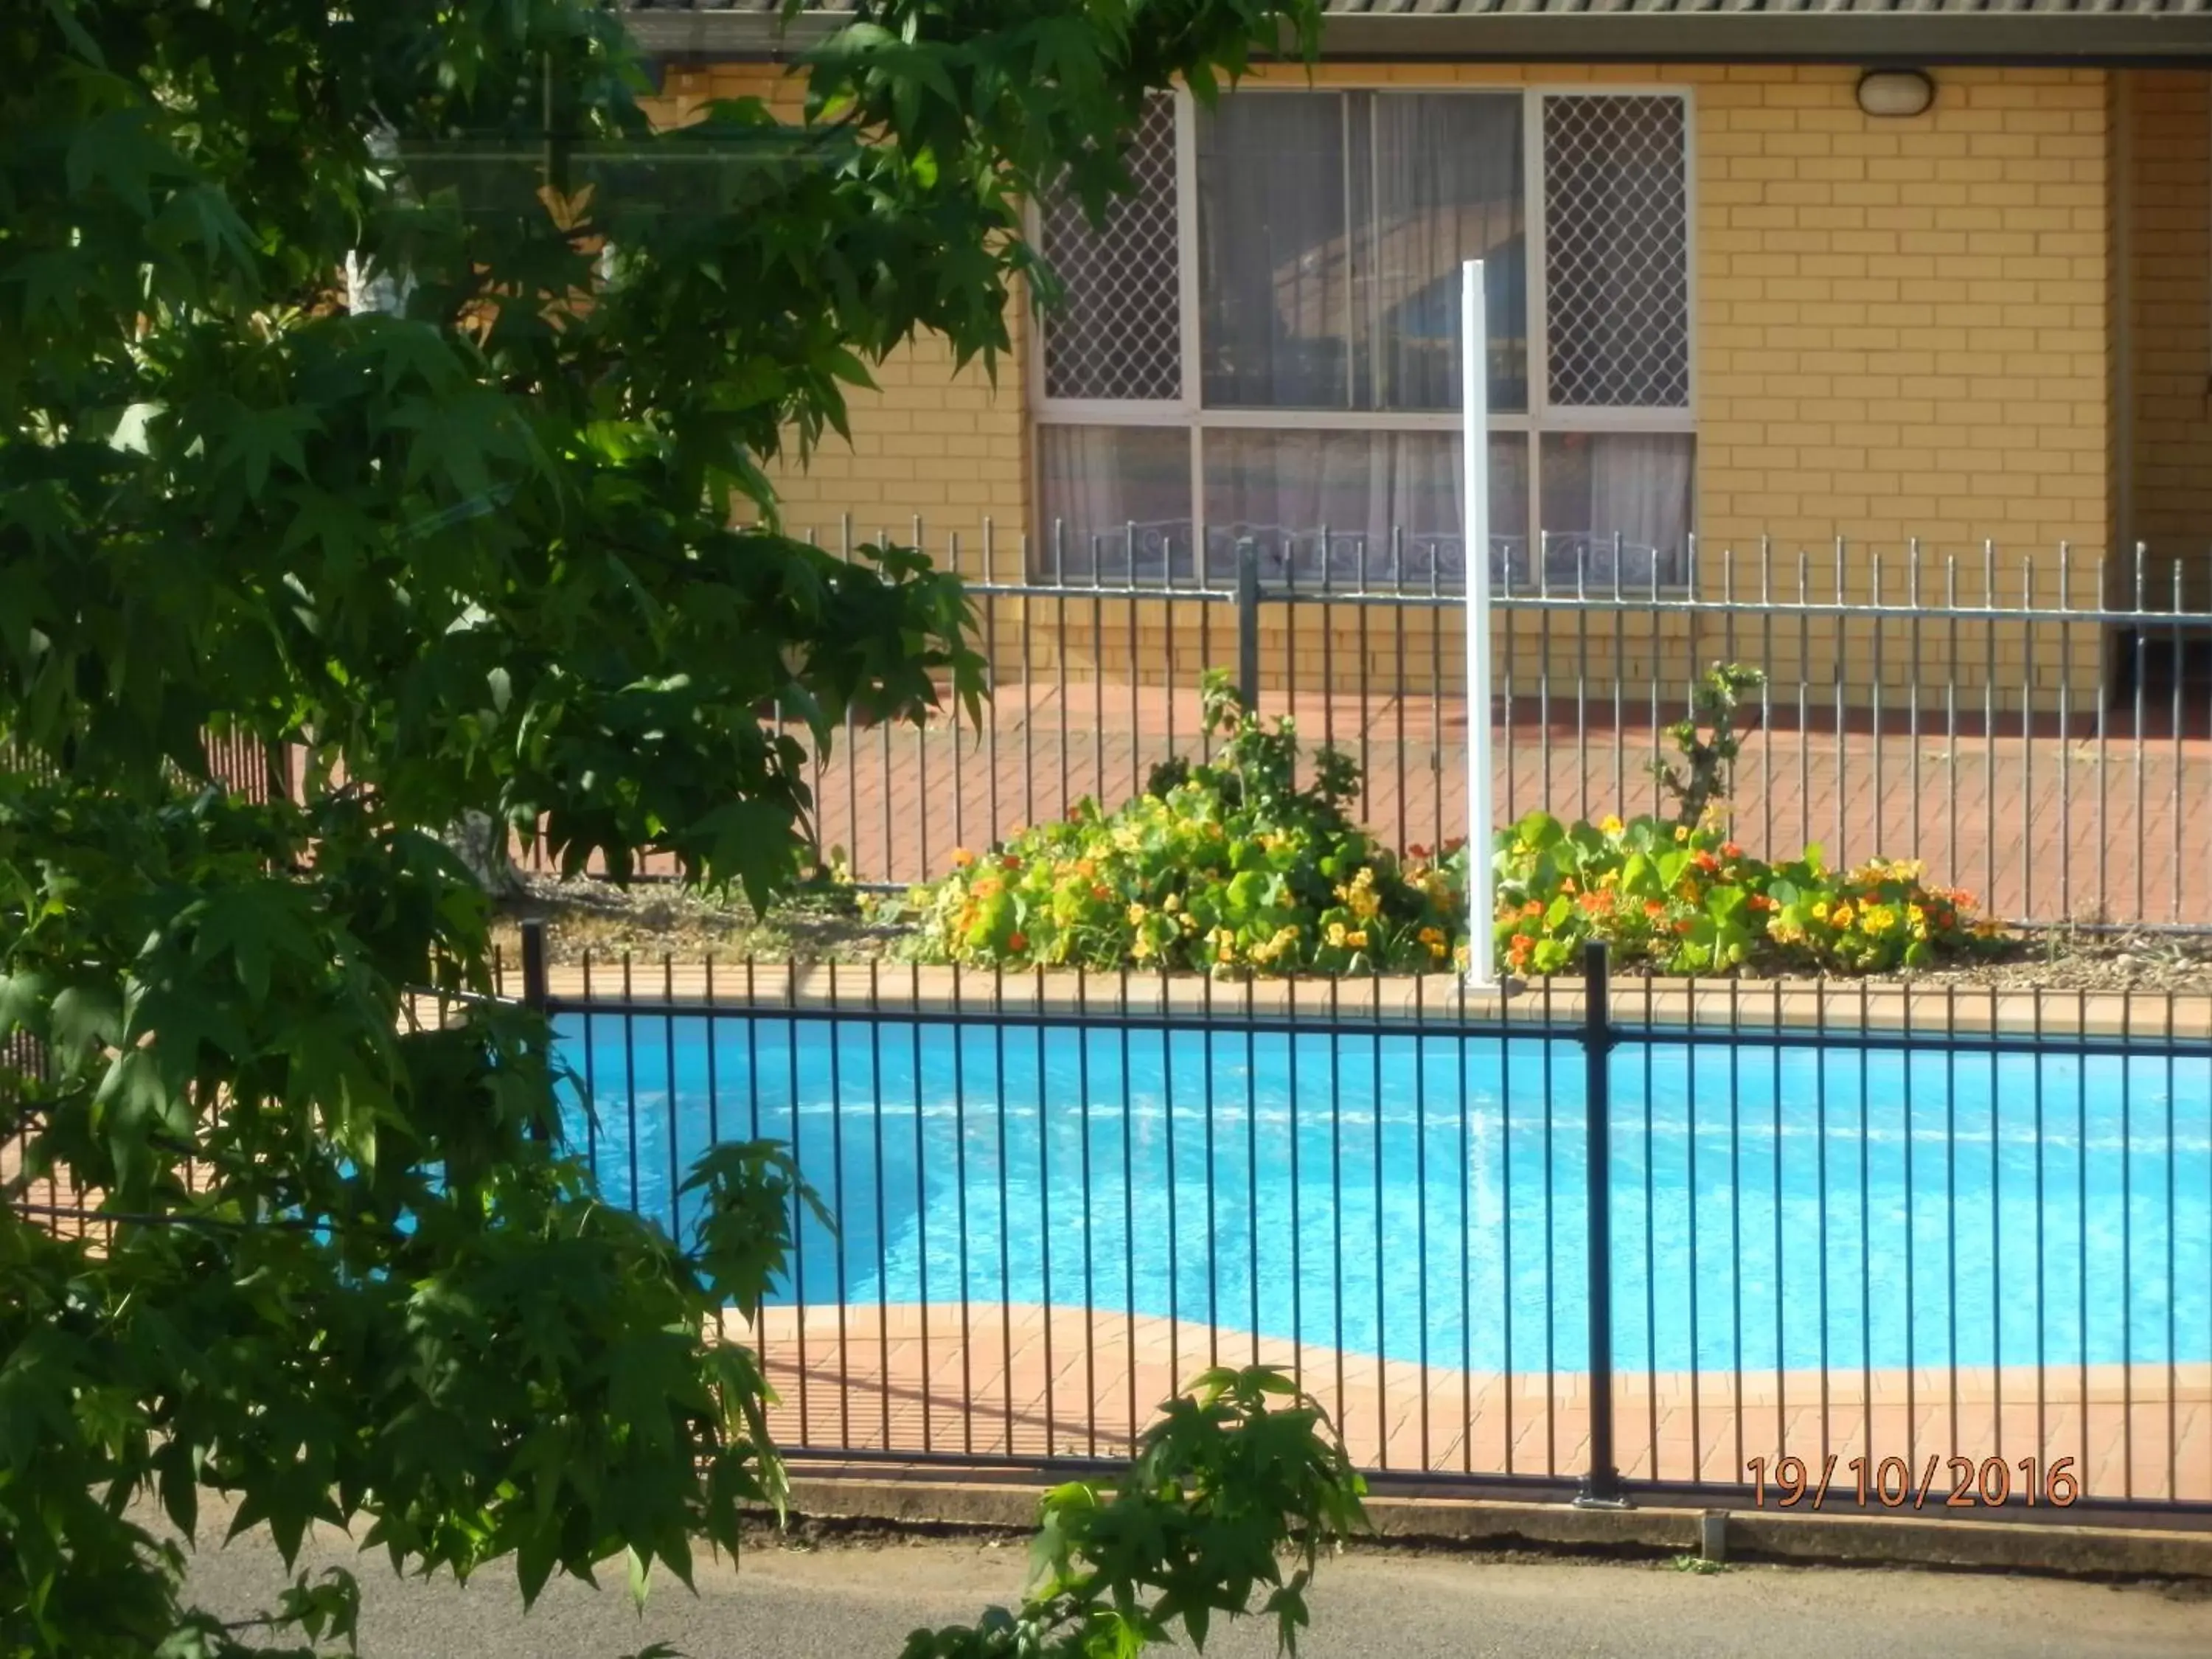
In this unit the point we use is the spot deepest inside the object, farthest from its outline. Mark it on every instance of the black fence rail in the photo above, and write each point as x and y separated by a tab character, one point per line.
1946	1252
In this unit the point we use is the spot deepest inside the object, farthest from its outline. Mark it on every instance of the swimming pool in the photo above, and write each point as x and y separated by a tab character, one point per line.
1421	1197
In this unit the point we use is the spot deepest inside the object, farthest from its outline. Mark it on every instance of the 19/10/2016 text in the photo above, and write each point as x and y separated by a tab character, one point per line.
1892	1483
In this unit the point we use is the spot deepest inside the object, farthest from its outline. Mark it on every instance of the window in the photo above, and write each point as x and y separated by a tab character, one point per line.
1263	344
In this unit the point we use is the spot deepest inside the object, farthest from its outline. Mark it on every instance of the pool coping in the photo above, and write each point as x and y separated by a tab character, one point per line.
1420	1001
937	1498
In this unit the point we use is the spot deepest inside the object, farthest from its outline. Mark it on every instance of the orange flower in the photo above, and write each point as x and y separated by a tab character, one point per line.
1654	910
1684	926
1101	893
1417	851
1533	907
1731	851
1707	862
1566	884
962	858
1018	942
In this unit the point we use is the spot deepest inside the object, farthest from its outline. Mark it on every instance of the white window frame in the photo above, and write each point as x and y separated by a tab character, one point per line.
1542	417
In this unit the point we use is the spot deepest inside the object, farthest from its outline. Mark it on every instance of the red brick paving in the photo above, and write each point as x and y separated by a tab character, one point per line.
2043	827
991	1380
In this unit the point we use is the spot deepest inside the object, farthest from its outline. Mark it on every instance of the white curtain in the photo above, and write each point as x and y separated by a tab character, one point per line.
1332	227
1281	489
1447	189
1117	503
1624	489
1275	279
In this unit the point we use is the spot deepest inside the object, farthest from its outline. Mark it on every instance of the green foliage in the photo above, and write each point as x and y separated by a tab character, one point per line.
1230	866
1694	901
1195	1530
472	553
1707	769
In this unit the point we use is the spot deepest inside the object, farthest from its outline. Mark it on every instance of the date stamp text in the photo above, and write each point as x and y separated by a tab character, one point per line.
1891	1483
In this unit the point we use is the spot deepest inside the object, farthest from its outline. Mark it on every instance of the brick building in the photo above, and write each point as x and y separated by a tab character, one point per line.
1740	292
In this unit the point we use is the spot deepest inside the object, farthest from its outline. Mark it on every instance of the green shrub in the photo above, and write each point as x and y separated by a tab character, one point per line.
1232	867
1229	866
1691	901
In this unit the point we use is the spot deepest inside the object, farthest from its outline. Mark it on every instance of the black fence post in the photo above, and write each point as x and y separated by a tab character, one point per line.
535	994
1248	623
1600	1487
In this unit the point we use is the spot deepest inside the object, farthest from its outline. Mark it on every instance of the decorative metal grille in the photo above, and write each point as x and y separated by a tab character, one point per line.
1120	333
1617	242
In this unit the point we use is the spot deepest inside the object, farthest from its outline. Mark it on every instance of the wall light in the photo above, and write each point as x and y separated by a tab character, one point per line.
1896	92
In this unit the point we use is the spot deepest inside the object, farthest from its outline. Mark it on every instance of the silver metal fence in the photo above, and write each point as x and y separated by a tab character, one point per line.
2036	727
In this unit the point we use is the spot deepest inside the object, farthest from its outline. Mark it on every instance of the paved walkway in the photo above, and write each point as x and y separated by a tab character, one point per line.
2089	825
990	1379
859	1601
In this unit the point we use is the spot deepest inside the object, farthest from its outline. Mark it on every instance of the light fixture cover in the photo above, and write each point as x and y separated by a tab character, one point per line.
1896	92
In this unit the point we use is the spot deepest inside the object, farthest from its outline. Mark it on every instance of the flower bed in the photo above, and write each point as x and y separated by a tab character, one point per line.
1231	867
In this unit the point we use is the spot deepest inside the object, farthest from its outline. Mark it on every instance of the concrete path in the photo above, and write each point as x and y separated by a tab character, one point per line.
854	1600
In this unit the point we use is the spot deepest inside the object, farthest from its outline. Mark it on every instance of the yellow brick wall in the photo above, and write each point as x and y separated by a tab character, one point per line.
1903	324
947	450
2169	272
1904	330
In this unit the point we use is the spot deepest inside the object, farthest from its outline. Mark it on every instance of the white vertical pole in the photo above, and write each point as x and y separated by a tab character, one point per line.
1474	461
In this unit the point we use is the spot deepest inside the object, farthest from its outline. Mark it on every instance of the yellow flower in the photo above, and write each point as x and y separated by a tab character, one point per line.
1336	932
1137	913
1437	949
1841	915
1820	911
1356	938
1430	936
1172	903
1611	825
1877	919
1681	832
1141	947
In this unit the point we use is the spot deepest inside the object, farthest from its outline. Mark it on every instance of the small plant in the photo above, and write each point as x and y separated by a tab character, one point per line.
1228	866
1707	774
1689	900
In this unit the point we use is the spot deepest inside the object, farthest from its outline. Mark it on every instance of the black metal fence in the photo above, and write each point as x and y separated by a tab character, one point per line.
1864	1248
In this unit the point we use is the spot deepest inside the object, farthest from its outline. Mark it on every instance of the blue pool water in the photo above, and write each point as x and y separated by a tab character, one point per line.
1424	1197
